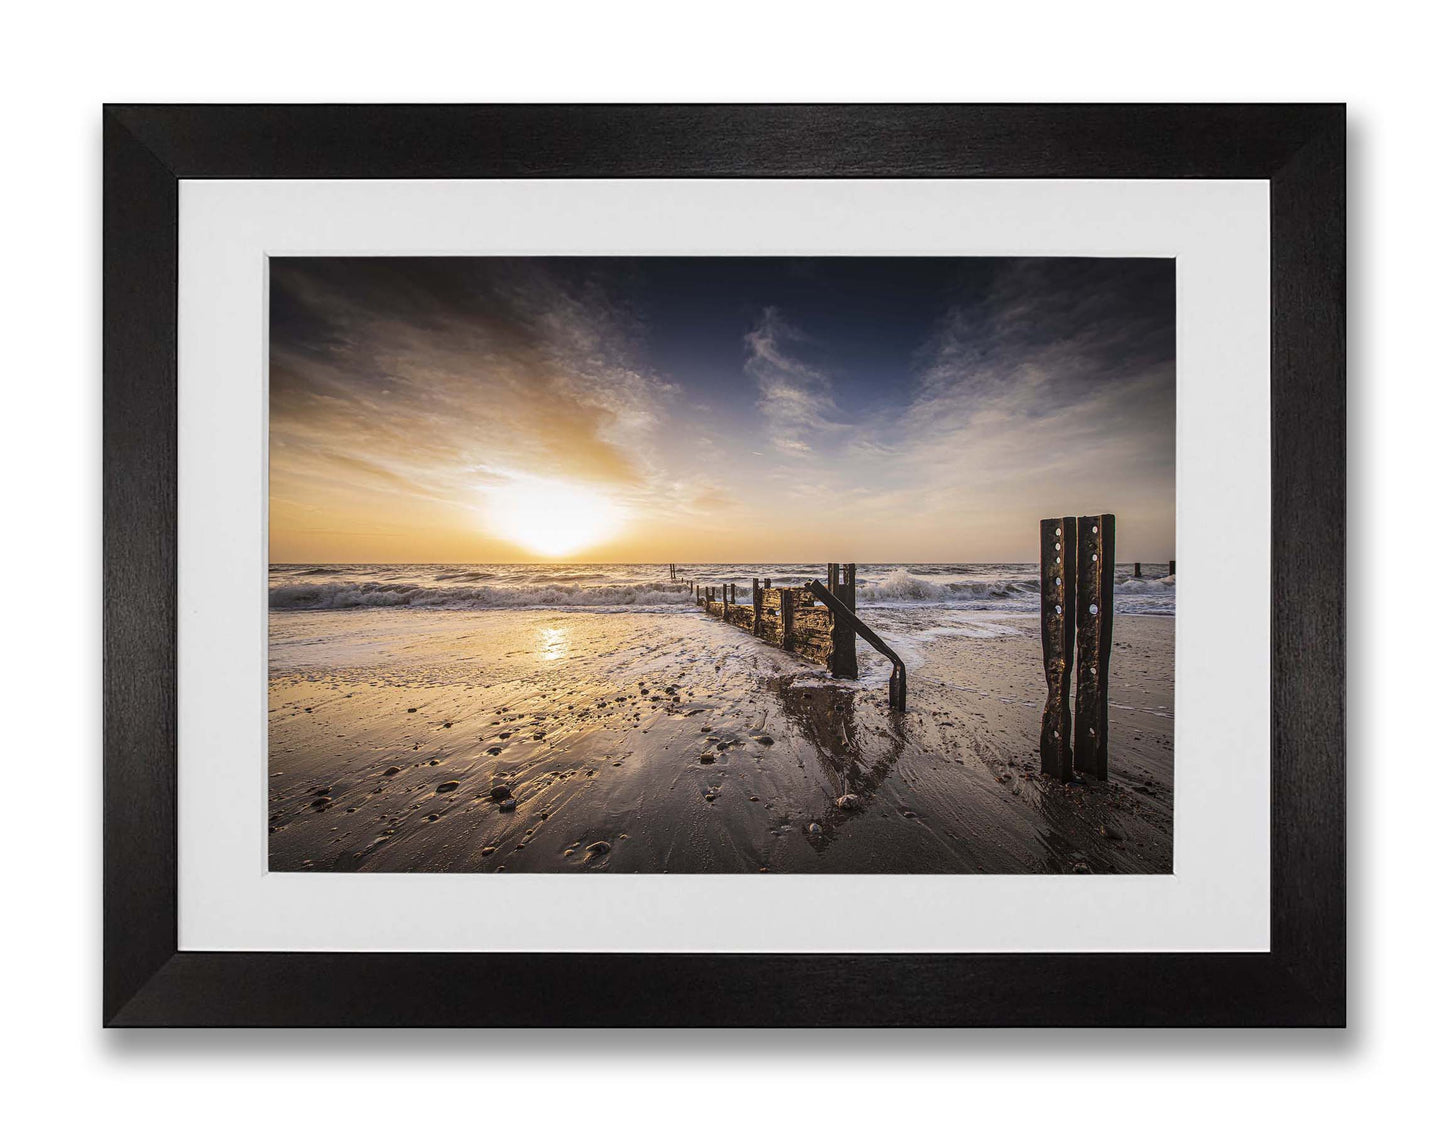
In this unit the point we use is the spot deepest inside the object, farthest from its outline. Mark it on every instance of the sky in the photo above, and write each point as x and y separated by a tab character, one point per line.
656	410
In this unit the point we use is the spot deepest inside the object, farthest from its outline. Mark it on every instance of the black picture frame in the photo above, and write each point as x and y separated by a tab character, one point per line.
1299	149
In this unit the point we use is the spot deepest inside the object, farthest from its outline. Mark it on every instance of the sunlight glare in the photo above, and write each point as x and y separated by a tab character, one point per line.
552	518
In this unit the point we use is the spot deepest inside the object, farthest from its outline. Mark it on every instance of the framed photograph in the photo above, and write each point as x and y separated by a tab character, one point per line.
724	565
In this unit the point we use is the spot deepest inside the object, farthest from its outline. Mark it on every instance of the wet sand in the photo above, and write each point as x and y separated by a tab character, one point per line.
566	741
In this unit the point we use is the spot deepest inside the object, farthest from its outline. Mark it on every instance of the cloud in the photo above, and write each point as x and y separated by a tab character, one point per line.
795	398
1056	389
422	381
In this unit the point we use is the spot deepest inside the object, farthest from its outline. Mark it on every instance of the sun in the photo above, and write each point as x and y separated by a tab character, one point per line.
550	517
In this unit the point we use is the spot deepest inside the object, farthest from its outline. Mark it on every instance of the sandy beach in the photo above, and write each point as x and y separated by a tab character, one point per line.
581	740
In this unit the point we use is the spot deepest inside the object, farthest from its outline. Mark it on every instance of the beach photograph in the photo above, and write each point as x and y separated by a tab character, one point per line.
721	565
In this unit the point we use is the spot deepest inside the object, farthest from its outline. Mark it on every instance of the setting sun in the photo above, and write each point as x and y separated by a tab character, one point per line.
552	518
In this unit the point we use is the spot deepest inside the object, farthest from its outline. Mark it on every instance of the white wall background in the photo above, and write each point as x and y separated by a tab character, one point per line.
61	62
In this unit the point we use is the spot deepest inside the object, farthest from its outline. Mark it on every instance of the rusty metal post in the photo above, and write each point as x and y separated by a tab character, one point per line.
1094	626
1057	546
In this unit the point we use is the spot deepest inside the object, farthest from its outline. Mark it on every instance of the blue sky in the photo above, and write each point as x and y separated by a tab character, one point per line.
929	409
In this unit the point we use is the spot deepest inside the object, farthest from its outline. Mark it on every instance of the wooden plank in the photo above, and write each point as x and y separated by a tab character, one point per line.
1057	545
843	658
789	597
1094	620
757	609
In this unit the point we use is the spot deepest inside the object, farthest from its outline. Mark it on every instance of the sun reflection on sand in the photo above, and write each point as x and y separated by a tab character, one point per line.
552	643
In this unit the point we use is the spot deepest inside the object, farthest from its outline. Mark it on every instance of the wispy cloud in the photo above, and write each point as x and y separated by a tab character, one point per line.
925	410
795	398
1054	393
427	381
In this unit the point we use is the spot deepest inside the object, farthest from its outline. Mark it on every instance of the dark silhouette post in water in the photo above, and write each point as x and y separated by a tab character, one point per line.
843	584
1094	625
898	679
1057	546
1171	567
1138	573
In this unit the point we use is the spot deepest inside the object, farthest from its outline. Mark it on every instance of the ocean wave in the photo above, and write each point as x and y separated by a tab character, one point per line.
902	586
346	596
1162	586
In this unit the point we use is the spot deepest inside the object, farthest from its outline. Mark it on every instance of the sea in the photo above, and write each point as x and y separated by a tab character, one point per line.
647	587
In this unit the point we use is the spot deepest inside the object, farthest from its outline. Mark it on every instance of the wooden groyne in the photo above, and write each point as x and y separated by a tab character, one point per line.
1076	575
817	621
792	618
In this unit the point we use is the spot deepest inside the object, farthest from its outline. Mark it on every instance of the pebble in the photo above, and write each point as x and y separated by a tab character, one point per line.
501	791
450	785
766	741
507	804
707	757
848	802
814	828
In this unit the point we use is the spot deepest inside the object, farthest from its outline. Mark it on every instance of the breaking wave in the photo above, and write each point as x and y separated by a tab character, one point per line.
344	596
902	586
649	587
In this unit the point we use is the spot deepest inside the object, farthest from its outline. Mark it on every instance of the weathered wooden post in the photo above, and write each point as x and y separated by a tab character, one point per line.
843	657
1171	567
757	609
1094	621
1057	545
1138	574
785	616
725	602
767	582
